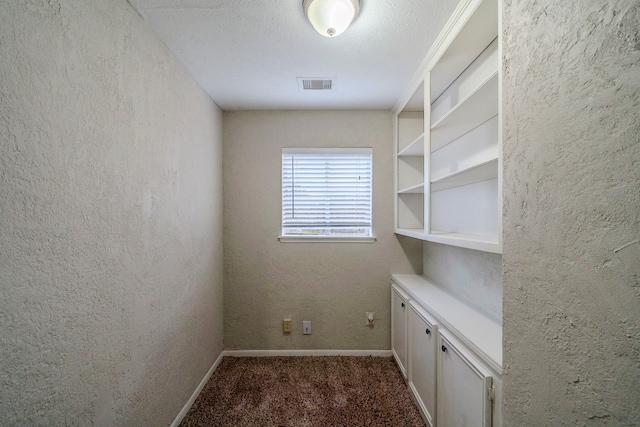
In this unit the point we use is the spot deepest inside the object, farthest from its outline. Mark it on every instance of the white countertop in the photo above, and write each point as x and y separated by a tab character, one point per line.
477	330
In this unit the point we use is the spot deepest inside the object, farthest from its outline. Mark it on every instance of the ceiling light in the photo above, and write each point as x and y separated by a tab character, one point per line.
331	17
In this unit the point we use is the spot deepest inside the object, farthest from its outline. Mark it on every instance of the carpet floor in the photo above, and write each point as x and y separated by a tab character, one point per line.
305	392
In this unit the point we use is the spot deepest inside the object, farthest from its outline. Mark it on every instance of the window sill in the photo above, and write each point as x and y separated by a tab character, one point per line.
327	239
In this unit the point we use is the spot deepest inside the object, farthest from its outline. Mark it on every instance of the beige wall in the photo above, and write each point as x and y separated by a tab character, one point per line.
572	197
110	219
331	284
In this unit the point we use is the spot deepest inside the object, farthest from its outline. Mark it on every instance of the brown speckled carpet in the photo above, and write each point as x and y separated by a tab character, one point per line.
305	392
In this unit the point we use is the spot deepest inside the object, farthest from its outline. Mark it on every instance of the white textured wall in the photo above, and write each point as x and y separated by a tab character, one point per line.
474	276
110	219
331	284
572	197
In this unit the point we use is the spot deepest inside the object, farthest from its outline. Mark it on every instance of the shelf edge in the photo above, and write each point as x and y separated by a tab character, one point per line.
411	190
411	145
479	245
460	103
490	165
416	233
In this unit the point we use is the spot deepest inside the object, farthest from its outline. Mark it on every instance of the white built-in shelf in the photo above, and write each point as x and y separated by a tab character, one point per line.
469	241
416	233
416	148
448	141
477	173
468	43
475	109
474	328
414	189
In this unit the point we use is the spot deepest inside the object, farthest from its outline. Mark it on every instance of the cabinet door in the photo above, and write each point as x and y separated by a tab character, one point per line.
399	327
463	388
423	344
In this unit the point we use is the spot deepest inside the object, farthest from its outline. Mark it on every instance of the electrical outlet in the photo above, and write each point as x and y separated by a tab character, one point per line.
286	326
306	327
369	318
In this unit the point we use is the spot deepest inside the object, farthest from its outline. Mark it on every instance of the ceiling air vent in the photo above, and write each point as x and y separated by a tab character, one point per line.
316	83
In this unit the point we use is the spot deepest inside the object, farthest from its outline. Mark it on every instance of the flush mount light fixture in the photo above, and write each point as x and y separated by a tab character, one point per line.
331	17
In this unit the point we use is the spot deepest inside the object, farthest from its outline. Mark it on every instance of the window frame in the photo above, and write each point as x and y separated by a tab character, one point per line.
325	238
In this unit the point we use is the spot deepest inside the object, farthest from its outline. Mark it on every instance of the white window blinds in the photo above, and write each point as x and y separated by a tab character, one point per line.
326	191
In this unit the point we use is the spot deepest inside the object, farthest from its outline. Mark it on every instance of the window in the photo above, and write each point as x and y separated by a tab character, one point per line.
326	194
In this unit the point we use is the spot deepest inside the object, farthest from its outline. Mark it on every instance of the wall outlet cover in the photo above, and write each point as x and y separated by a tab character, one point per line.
286	326
369	318
306	327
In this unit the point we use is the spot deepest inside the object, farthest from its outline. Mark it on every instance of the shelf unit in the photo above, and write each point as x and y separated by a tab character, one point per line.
452	354
448	136
409	161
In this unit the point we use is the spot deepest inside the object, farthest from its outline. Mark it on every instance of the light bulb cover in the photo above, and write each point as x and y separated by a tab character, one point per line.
331	17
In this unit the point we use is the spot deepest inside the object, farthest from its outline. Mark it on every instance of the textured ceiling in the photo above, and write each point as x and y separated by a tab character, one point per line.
247	54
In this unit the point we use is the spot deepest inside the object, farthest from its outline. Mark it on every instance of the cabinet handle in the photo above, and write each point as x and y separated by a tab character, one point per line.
444	348
428	331
402	305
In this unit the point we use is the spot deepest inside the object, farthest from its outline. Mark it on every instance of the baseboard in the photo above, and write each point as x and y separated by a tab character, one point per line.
267	353
195	394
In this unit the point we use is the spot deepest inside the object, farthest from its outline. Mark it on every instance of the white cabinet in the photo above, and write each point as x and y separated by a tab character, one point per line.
452	354
399	301
464	388
448	172
423	336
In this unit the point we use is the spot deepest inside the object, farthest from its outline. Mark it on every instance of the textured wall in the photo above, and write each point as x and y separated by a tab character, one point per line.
331	284
110	219
474	276
572	197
